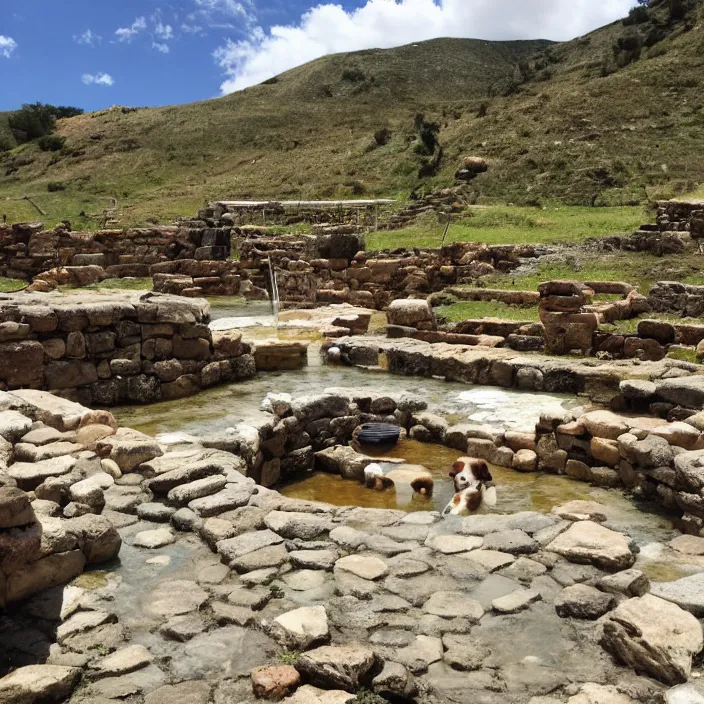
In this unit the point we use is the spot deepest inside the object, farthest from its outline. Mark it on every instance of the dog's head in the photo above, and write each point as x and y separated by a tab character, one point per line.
470	473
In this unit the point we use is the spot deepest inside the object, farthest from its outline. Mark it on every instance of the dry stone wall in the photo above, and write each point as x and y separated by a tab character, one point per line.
107	350
27	250
52	486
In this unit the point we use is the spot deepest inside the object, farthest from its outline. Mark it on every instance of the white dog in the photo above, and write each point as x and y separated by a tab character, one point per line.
471	477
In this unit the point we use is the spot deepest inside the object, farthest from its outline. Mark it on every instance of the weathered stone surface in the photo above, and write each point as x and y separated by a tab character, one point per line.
688	544
687	593
629	582
450	544
587	542
514	542
584	602
394	680
347	667
39	683
233	496
241	545
14	425
579	510
515	601
15	508
185	493
29	475
129	448
314	559
175	598
152	539
591	693
193	692
453	604
463	652
365	567
50	571
290	524
655	637
301	628
420	654
127	659
491	560
183	628
274	682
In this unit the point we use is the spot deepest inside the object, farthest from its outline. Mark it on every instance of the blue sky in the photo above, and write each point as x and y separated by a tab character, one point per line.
97	53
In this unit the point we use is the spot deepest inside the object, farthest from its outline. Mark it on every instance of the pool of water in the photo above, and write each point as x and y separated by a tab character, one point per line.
645	522
225	406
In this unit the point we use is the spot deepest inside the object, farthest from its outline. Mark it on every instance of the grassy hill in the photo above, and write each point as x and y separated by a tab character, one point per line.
591	121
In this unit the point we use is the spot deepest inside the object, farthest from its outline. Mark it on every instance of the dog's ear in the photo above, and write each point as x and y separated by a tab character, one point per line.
457	468
481	471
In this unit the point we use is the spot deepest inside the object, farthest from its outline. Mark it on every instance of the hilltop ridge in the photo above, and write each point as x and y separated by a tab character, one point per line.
610	118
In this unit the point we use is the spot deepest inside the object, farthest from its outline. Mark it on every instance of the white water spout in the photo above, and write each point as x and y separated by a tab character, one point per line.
275	300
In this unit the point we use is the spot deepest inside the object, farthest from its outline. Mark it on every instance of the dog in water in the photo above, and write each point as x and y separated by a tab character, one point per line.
471	477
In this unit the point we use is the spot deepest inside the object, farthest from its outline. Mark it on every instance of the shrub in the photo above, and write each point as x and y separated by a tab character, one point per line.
637	15
382	136
353	75
428	134
54	186
51	143
38	119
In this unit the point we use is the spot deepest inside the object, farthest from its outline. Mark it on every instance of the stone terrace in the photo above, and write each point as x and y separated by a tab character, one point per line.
107	349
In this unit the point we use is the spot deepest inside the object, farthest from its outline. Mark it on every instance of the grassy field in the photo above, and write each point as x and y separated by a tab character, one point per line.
516	225
579	122
470	310
10	285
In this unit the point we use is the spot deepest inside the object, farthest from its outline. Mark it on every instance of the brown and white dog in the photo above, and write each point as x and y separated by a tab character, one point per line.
471	477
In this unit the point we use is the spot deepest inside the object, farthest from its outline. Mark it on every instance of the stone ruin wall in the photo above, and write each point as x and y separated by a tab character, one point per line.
27	250
336	269
651	457
121	349
273	213
681	216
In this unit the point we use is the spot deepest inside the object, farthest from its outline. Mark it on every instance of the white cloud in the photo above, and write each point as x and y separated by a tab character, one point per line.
234	8
127	34
97	79
163	48
88	38
191	28
328	28
7	46
164	31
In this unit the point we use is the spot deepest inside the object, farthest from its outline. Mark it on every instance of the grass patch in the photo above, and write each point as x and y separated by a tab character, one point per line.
10	285
289	657
638	269
515	225
127	284
684	355
630	326
471	310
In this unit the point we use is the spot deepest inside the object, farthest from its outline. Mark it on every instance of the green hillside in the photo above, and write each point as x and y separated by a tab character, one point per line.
611	118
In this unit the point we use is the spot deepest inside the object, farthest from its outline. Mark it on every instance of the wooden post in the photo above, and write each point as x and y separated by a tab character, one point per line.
376	217
447	227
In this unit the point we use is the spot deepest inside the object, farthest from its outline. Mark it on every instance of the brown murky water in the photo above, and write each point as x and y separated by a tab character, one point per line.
646	522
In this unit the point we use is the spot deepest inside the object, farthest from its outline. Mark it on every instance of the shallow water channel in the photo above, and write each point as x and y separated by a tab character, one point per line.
223	407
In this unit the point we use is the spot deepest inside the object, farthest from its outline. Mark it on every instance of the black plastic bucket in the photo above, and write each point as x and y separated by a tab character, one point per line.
378	434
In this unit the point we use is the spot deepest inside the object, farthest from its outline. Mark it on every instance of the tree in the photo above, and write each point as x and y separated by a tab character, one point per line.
36	120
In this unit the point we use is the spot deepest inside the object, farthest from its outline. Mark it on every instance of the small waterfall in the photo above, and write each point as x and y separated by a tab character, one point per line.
275	300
